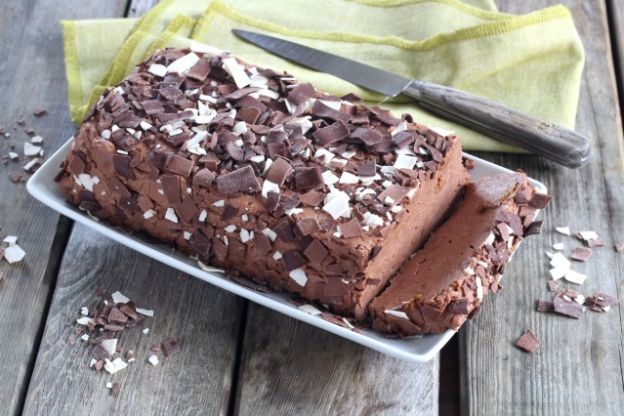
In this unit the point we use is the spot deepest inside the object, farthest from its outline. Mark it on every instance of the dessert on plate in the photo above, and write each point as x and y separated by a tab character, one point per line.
252	171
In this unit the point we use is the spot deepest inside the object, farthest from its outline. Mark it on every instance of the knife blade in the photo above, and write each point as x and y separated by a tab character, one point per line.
557	143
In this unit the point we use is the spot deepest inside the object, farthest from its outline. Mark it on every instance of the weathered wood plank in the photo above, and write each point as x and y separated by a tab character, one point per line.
205	319
616	22
32	76
578	369
291	368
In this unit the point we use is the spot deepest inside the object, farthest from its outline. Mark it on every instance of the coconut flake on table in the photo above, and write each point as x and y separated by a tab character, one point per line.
183	64
84	311
236	71
153	360
30	149
13	156
85	321
145	331
14	254
146	312
114	366
110	346
575	277
558	246
36	140
560	261
118	297
10	240
588	235
565	230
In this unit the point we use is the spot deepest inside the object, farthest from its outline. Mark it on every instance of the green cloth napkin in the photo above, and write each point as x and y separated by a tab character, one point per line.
529	62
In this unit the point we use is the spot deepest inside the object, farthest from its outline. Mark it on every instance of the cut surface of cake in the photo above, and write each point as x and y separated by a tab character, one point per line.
254	172
445	282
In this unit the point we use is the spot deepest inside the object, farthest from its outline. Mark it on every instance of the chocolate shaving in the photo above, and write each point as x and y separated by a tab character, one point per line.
581	254
279	171
567	308
242	180
331	134
528	341
308	178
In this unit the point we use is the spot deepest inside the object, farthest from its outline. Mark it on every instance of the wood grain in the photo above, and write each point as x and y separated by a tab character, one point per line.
578	369
616	22
291	368
31	76
205	319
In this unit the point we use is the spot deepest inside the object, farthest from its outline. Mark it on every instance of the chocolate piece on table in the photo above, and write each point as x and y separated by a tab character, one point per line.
567	307
528	341
462	260
201	169
544	306
581	254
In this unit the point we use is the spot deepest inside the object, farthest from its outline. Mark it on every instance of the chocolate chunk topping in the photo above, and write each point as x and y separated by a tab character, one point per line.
533	228
331	134
321	110
367	169
204	178
312	198
200	70
544	306
307	226
279	171
239	181
308	178
301	93
122	165
171	187
460	306
540	200
293	260
152	107
528	341
351	228
180	166
316	252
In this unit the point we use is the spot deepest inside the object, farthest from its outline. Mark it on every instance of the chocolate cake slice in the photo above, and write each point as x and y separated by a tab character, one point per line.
254	172
444	283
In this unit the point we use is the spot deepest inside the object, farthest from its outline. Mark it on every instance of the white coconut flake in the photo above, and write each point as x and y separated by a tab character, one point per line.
277	255
489	240
373	220
157	69
244	235
10	239
237	72
335	105
560	261
106	134
186	235
205	118
268	186
146	312
13	156
31	164
239	128
558	246
30	149
36	140
202	215
293	211
170	215
309	309
588	235
299	276
92	362
348	178
270	234
85	180
337	204
398	314
183	64
257	158
114	366
219	203
230	228
329	178
210	269
84	321
150	213
199	47
557	273
14	254
563	230
575	277
119	297
145	331
153	360
193	145
110	346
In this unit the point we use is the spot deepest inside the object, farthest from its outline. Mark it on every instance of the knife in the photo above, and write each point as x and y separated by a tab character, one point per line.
556	143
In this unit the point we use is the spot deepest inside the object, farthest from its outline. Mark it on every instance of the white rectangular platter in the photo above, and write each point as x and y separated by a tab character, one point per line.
417	349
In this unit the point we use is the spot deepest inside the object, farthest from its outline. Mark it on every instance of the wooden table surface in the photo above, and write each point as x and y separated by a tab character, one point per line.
240	358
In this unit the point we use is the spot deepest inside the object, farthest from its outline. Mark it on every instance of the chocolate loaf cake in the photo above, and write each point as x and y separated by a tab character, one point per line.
256	173
444	283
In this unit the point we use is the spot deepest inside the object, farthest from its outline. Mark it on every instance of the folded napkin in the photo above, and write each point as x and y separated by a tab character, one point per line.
530	62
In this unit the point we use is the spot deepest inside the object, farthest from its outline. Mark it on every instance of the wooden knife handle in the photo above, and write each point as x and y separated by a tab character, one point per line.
557	143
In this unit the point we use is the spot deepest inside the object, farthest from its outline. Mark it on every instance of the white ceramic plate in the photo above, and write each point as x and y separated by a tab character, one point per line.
418	349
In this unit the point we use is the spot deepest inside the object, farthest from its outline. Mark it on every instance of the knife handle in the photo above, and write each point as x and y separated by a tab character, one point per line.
556	143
